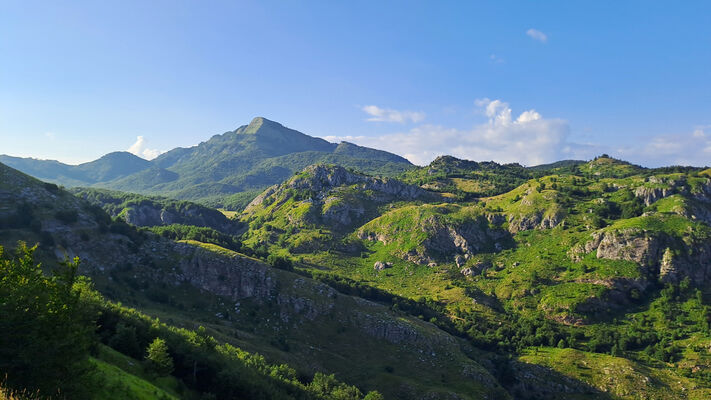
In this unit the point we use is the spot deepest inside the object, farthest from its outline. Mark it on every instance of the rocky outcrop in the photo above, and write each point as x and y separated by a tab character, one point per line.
650	195
381	265
532	381
660	187
235	277
323	178
155	214
668	270
652	251
442	240
341	213
519	223
703	192
338	198
628	244
261	197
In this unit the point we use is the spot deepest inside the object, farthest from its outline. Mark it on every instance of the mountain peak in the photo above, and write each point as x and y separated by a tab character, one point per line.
259	123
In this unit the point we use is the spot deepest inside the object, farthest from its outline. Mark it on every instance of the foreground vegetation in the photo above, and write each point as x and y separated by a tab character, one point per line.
63	340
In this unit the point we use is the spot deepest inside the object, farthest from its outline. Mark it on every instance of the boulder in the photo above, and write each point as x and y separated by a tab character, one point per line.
381	265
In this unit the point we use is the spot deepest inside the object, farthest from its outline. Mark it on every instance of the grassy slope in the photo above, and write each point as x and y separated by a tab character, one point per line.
121	377
622	378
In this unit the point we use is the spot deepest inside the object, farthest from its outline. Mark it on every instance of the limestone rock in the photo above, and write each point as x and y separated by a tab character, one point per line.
381	265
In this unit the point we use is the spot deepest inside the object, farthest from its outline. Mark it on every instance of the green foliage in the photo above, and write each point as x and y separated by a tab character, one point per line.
468	179
200	234
46	330
158	358
211	368
125	341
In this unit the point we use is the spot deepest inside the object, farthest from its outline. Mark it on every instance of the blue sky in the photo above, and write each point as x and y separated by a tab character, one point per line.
523	81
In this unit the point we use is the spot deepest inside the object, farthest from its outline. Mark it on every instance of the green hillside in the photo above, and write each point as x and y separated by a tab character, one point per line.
242	303
571	280
605	259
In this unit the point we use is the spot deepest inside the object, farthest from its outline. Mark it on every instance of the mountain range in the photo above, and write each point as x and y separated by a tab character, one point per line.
225	171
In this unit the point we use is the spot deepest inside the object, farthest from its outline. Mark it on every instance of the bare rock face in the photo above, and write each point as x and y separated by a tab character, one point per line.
650	195
465	239
652	251
630	245
262	196
534	221
704	192
235	277
668	269
143	216
459	260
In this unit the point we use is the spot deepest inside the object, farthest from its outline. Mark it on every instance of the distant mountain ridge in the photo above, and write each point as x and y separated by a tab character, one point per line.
248	159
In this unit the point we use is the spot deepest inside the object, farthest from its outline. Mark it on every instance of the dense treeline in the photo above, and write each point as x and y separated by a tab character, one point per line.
113	202
50	324
201	234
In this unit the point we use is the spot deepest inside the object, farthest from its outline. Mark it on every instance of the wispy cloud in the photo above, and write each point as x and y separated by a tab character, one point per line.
690	148
496	59
140	148
378	114
535	34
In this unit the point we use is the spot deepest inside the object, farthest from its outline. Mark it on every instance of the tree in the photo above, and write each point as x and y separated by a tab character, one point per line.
374	395
125	340
46	330
158	358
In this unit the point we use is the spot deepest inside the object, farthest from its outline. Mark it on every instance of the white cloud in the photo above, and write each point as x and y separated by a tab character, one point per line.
141	149
50	135
529	139
535	34
378	114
